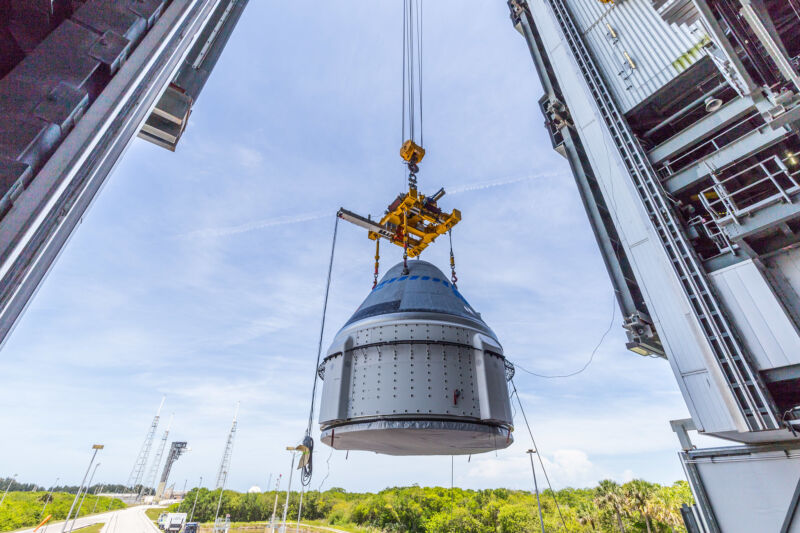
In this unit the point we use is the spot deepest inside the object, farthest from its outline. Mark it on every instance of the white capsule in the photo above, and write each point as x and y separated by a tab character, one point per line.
416	371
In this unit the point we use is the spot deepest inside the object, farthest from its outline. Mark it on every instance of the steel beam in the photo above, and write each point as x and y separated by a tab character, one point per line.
702	128
45	214
766	218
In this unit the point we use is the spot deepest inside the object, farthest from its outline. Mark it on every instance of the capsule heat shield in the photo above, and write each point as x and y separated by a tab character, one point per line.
415	371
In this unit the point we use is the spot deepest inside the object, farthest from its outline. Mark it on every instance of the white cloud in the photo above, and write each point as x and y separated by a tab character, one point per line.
564	468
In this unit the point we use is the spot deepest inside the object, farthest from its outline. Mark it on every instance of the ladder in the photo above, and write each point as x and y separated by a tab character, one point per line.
745	384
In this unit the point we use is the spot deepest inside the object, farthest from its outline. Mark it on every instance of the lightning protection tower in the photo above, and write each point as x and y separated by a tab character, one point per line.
151	475
222	474
144	453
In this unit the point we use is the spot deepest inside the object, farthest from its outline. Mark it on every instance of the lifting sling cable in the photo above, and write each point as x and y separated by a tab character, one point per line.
541	462
308	441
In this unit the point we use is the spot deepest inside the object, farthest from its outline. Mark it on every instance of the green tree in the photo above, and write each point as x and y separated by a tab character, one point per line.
638	495
587	515
610	498
458	520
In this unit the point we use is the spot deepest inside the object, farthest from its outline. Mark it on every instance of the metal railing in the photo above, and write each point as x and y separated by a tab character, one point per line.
712	144
767	182
709	228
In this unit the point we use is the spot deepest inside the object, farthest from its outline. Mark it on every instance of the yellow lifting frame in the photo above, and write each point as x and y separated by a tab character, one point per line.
424	219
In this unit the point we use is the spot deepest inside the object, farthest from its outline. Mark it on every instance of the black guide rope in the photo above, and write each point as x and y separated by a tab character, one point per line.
308	441
539	455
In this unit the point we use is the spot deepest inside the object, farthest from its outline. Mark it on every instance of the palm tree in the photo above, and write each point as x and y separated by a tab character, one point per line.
666	507
609	497
639	494
587	516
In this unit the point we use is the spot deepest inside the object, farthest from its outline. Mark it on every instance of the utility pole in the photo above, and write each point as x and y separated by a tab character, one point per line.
96	498
536	488
196	494
80	505
452	468
294	450
96	448
219	504
49	495
300	509
8	487
275	507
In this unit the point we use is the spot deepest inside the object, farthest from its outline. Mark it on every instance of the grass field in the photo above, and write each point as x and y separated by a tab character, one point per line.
154	512
25	509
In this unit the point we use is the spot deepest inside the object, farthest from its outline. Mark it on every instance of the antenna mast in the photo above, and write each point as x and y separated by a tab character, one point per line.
222	475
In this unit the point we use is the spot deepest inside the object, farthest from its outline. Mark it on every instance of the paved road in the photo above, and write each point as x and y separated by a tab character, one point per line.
132	520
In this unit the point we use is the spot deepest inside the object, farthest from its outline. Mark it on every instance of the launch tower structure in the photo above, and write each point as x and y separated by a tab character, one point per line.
680	121
177	449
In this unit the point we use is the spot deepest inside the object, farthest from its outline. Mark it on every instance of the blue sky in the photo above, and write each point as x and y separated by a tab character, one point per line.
200	274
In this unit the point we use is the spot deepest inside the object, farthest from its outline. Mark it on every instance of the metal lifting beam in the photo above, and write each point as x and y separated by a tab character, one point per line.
732	357
413	220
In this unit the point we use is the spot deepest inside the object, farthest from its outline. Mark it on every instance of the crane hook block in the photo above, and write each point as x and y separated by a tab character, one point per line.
411	152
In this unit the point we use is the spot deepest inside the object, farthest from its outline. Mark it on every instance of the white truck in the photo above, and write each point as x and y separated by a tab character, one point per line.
171	522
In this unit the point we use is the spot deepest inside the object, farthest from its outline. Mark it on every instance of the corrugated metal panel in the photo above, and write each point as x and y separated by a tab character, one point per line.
762	322
677	11
658	51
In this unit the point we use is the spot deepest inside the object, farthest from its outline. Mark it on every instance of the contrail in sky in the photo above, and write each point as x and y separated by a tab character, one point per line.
258	224
501	182
307	217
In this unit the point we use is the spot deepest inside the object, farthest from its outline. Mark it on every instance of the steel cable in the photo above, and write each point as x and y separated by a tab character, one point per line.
308	441
539	455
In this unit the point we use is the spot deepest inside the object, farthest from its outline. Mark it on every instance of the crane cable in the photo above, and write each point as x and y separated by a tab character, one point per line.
308	441
539	455
412	71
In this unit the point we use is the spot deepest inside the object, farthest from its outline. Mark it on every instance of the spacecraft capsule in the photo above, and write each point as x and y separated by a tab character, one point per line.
416	371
